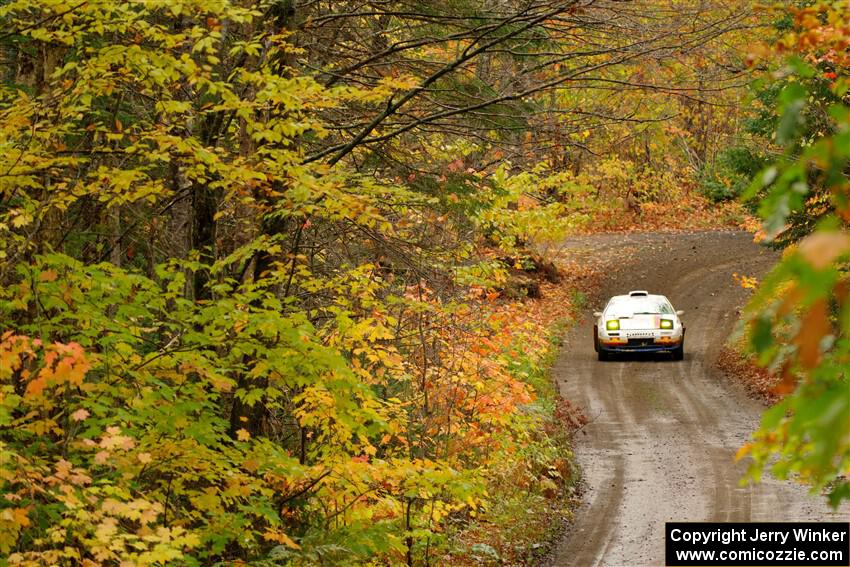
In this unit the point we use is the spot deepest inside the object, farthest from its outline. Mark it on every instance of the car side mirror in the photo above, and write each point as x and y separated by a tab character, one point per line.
680	312
597	314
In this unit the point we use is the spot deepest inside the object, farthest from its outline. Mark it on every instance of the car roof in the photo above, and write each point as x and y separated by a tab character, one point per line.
642	296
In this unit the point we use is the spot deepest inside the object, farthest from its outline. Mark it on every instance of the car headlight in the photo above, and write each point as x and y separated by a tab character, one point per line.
613	325
666	324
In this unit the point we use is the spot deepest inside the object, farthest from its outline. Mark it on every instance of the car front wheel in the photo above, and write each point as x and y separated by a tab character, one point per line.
603	355
679	352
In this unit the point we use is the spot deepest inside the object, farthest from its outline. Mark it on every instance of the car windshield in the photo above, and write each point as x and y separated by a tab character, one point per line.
638	306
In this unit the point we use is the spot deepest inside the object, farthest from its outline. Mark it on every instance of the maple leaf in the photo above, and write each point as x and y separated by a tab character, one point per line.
47	276
280	537
80	415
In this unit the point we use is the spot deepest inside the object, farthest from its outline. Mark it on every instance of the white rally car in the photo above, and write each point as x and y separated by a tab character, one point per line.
638	322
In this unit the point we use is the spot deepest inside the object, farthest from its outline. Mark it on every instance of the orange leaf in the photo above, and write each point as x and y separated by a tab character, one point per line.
743	451
48	276
821	249
787	383
36	387
280	537
814	326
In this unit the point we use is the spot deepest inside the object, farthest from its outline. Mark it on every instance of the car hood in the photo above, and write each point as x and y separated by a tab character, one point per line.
641	322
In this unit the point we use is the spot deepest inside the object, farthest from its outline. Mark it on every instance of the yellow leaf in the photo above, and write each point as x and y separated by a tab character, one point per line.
243	435
20	220
280	537
743	451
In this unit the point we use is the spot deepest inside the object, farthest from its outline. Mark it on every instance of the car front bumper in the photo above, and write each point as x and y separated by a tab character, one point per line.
652	347
648	341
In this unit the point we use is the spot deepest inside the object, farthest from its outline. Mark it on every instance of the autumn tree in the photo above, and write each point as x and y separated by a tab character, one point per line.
798	320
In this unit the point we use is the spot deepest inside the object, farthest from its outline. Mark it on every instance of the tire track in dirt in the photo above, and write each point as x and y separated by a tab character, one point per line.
662	438
731	502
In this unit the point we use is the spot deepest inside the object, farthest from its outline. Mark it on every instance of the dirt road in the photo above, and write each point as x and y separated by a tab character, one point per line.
661	443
